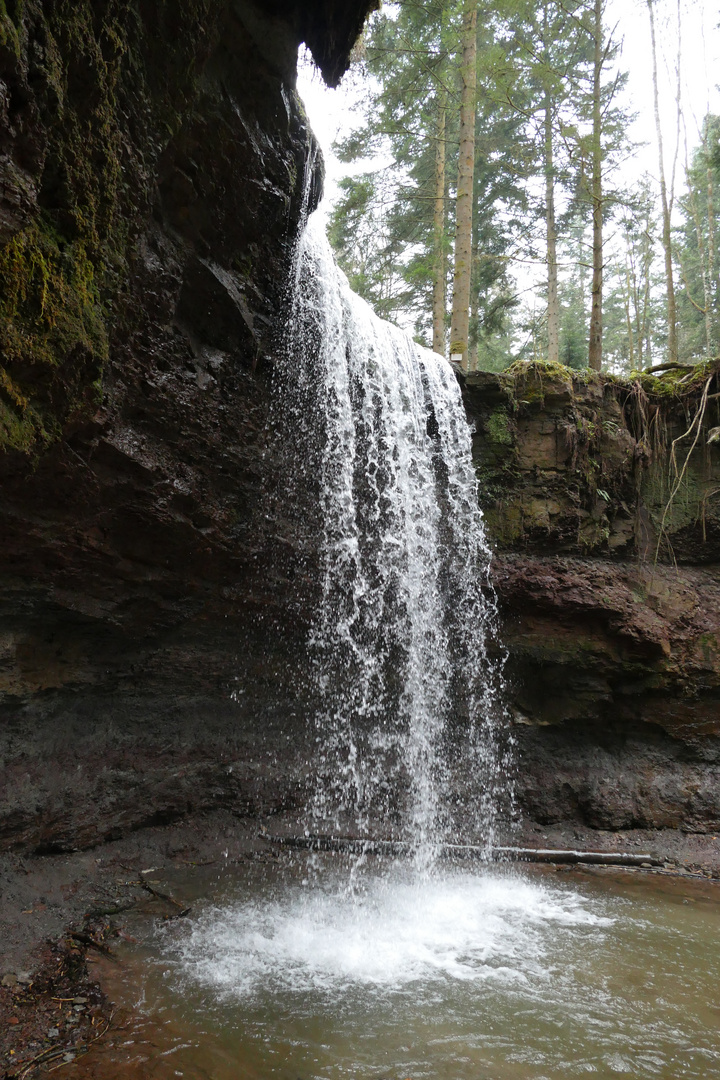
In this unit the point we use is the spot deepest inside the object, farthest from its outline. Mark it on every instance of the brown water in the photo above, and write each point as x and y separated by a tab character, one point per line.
281	972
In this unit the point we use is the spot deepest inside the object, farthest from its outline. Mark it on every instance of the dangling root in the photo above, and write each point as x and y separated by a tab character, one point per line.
696	426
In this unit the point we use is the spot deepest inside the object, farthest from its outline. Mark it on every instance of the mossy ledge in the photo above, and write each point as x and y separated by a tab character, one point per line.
582	463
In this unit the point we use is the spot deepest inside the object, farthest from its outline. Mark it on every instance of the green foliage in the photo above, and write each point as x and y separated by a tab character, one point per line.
696	249
383	228
533	126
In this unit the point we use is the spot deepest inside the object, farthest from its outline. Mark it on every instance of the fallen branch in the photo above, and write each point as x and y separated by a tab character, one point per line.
86	939
117	909
473	852
669	366
39	1059
182	910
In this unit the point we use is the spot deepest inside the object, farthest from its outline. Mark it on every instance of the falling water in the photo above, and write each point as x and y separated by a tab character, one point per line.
401	645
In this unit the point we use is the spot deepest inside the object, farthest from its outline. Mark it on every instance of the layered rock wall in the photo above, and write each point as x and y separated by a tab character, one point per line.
608	547
154	585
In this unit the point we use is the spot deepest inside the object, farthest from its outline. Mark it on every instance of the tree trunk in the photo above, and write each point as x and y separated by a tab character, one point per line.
474	291
553	304
460	320
596	319
439	230
666	234
711	243
705	309
628	315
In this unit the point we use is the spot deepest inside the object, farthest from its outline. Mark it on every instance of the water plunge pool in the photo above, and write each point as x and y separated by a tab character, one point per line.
281	971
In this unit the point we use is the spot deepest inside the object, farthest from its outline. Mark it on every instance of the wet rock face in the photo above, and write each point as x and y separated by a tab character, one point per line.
152	589
615	690
614	657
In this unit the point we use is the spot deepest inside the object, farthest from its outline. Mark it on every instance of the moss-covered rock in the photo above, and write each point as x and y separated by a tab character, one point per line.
587	464
96	94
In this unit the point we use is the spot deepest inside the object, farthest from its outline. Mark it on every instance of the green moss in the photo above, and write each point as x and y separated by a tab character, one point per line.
504	522
499	428
542	369
674	383
53	337
9	36
684	508
112	83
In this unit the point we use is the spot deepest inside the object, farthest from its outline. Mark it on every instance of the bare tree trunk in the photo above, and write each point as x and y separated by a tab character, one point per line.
439	230
596	319
474	292
553	303
705	308
628	314
460	321
711	243
647	255
666	234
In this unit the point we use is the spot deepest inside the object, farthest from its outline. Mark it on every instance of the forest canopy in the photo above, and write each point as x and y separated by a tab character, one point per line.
485	203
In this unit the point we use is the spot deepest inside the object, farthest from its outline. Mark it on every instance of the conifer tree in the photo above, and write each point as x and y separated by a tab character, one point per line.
696	246
413	117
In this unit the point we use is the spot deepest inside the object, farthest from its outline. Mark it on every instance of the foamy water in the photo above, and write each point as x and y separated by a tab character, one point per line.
399	930
282	972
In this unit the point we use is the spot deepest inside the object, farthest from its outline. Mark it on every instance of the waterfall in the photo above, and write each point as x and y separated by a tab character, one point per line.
402	652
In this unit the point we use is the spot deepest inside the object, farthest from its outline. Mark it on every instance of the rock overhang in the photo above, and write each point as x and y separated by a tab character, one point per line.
329	28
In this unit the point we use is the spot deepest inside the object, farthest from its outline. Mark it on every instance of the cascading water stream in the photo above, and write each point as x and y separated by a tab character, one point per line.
409	699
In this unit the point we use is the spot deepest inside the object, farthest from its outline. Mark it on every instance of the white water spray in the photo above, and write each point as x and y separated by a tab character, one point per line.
409	695
398	972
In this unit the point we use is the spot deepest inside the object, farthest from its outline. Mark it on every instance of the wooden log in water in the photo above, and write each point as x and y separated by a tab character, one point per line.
476	852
